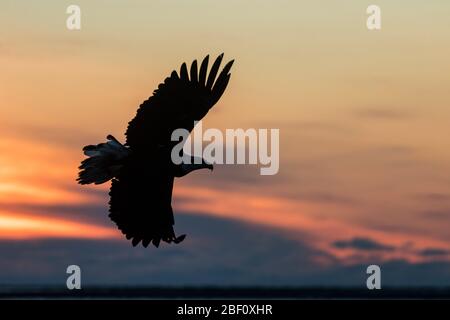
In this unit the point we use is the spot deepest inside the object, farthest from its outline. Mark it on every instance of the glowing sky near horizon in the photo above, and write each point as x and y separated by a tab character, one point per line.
363	116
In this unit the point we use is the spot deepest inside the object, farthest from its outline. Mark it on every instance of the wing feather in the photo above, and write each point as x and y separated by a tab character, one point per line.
213	71
194	72
203	71
177	103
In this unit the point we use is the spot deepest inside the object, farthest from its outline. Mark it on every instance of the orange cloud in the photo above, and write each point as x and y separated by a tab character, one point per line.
295	217
32	173
20	227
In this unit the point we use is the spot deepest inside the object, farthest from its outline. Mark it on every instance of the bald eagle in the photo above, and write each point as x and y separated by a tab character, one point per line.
141	170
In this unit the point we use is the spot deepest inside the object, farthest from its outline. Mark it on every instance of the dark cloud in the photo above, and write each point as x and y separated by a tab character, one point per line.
433	197
362	244
434	252
437	214
216	252
395	273
395	227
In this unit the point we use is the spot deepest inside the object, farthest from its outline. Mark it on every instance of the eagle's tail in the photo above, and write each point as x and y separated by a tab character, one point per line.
104	162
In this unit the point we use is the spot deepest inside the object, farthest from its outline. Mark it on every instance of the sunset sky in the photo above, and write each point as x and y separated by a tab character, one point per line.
364	140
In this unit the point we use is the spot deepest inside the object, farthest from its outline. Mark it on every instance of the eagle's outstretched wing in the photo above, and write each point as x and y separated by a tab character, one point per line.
141	194
182	99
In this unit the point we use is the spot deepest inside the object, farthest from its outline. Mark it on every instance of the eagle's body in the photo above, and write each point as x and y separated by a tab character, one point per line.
142	171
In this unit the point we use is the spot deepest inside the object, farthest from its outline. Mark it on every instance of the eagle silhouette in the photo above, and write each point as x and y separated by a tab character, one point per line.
141	170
